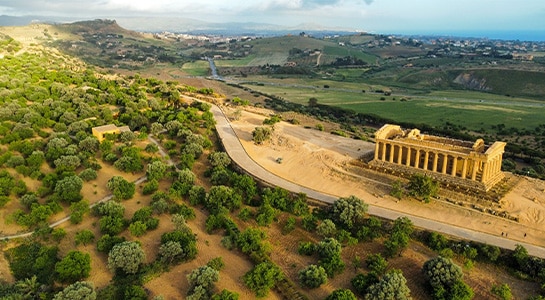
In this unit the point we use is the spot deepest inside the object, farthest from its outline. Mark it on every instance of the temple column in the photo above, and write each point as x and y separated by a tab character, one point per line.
377	148
417	158
435	159
454	165
475	167
445	160
426	158
464	168
392	153
493	168
383	154
408	161
486	166
400	155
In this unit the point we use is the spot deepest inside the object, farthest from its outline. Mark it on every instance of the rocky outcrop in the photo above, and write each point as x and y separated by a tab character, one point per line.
472	82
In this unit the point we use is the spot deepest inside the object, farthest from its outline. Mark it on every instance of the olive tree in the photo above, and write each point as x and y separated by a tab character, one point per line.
423	186
445	279
262	278
313	276
392	285
69	188
121	188
326	229
156	170
170	252
126	256
73	267
81	290
341	294
219	159
261	134
204	276
349	211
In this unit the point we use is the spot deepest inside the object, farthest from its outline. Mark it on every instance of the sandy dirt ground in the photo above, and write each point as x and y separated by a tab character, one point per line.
318	160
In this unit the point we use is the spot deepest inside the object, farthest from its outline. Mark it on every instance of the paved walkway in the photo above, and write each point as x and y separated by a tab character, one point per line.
236	151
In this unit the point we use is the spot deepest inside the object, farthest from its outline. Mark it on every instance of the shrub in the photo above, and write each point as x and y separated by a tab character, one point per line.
84	237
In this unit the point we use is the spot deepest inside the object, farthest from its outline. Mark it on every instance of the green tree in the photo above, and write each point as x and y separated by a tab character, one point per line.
376	263
90	144
171	251
69	188
445	279
329	251
204	276
397	190
361	282
121	188
252	240
262	278
88	174
245	185
126	256
265	214
67	163
156	170
111	225
186	239
261	134
74	266
84	237
216	263
422	186
399	237
392	286
32	259
349	211
81	290
138	228
28	288
219	159
225	295
78	210
107	242
193	149
28	199
326	228
503	291
312	276
341	294
222	196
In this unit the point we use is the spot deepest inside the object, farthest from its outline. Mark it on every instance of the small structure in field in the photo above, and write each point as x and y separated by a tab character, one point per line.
101	131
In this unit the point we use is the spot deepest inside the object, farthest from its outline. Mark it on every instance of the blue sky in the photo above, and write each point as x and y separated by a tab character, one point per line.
416	16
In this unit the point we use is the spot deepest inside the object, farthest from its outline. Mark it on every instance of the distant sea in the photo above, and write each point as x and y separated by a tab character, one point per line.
511	35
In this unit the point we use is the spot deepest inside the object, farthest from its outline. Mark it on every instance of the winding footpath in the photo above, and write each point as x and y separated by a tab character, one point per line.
240	157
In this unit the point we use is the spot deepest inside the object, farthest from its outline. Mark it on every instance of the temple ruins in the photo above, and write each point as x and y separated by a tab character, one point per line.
454	162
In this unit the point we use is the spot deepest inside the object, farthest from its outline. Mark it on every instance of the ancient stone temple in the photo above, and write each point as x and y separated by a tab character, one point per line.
460	163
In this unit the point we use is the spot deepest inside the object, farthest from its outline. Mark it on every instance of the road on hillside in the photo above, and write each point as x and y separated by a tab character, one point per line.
240	157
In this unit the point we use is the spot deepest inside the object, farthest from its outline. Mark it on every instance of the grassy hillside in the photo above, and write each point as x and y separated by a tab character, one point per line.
279	50
106	44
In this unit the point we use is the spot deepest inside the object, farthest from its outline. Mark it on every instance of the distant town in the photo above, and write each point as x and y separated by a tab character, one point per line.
438	46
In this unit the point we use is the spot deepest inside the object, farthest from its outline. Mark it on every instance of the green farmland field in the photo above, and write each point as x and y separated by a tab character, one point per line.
472	110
